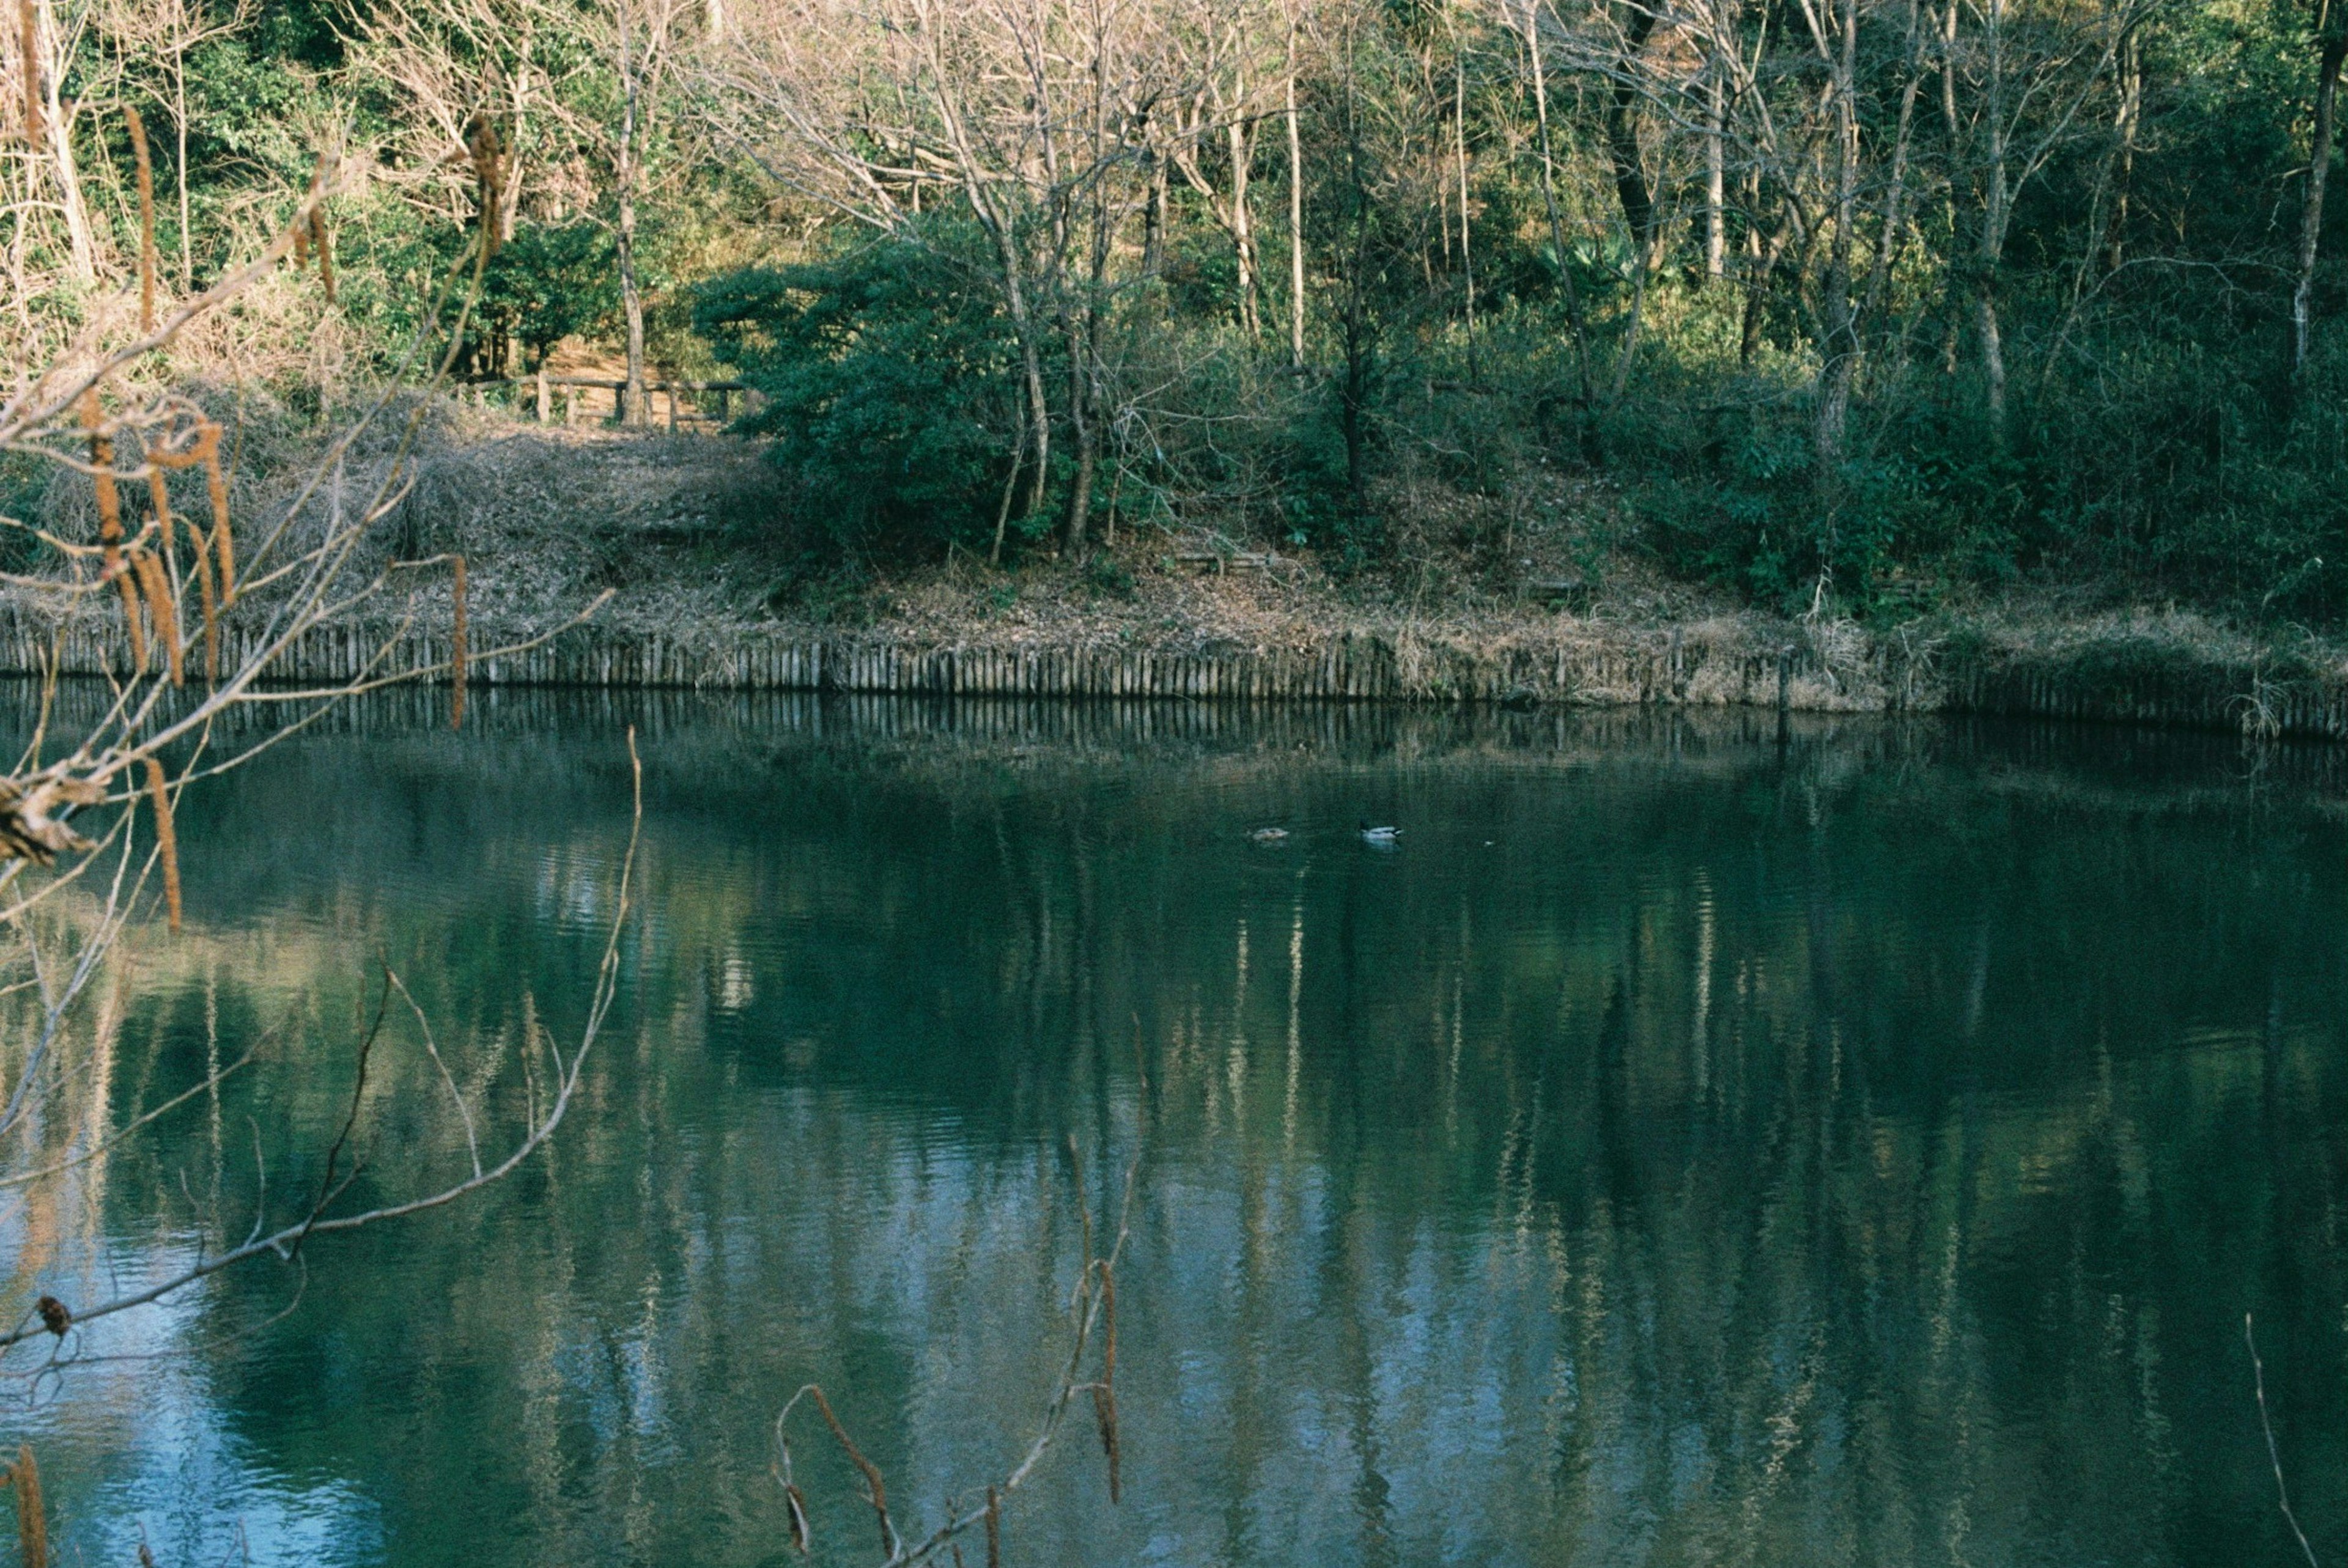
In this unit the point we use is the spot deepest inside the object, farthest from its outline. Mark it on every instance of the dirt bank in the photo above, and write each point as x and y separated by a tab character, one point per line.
1550	605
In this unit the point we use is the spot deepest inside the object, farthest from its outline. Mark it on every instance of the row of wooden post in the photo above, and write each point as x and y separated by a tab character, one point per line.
543	386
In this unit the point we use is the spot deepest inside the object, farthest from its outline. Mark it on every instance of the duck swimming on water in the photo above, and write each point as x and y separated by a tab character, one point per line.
1378	834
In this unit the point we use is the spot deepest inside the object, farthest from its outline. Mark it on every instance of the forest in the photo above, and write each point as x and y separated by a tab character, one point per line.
1861	305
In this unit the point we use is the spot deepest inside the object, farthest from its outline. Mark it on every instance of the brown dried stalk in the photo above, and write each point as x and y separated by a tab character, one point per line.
325	255
300	245
32	1521
109	521
160	610
159	500
873	1489
211	611
146	219
488	175
166	837
795	1502
1104	1391
1094	1305
208	450
28	43
457	649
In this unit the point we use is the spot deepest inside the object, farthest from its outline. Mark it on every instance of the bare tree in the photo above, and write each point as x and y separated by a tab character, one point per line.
1036	117
155	38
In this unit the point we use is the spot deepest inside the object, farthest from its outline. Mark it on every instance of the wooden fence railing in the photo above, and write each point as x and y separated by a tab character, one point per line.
544	387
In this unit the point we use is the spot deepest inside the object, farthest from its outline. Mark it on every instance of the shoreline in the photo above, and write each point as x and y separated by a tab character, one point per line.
2139	668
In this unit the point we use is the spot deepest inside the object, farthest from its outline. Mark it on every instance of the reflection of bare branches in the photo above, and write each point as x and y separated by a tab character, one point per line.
1092	1306
285	1241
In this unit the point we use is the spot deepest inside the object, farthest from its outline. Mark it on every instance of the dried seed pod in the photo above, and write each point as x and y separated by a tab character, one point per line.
159	499
1105	1414
32	1520
54	1316
109	521
994	1530
157	587
211	614
101	461
28	46
325	256
301	243
216	482
167	838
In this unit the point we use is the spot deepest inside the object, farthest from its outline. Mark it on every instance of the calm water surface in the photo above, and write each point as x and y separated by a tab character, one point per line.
1689	1146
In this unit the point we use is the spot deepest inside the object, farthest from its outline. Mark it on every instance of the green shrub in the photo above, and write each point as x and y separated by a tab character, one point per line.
890	381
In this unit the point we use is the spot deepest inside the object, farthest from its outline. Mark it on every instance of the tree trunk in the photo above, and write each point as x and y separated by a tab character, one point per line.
1295	216
1080	493
1242	224
1153	218
510	196
1459	150
1353	397
1988	250
179	169
635	404
1838	337
81	243
2130	116
1715	216
2311	223
1623	133
1761	266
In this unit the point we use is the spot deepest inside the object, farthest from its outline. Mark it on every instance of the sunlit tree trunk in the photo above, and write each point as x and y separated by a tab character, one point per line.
636	409
1242	222
1715	172
180	167
1295	214
1459	152
2319	163
2128	117
1838	336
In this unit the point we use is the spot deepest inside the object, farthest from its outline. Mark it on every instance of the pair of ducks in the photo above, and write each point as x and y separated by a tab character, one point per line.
1369	835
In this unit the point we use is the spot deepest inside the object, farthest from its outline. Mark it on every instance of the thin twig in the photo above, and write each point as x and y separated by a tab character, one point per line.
2274	1453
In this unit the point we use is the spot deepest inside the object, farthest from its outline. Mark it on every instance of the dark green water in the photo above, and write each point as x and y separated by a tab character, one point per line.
1687	1147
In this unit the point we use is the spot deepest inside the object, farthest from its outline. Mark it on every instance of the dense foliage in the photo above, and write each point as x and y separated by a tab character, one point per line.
1849	302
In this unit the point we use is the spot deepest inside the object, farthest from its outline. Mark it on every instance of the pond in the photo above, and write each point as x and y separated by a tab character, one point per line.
1692	1142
